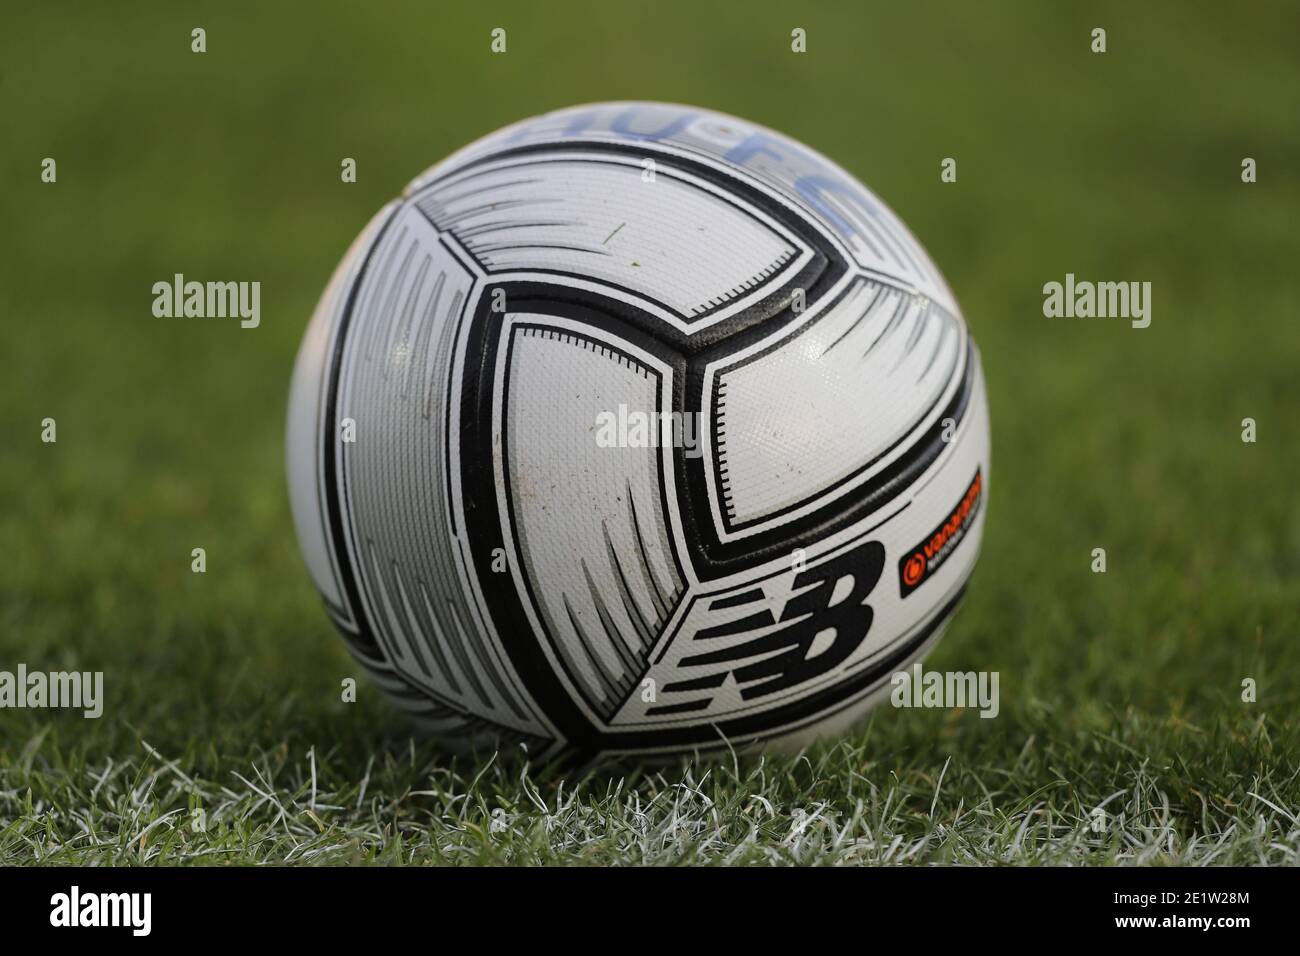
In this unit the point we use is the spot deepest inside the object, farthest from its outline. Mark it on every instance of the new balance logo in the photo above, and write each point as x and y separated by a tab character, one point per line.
828	620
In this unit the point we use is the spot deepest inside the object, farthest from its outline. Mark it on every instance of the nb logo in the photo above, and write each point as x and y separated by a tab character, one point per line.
827	617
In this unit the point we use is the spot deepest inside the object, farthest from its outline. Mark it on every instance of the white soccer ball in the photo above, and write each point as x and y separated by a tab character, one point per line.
638	429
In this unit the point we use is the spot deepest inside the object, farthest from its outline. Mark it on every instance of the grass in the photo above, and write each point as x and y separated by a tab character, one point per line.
1120	691
1137	791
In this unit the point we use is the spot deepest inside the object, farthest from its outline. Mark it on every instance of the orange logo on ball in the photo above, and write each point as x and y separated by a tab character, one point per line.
914	568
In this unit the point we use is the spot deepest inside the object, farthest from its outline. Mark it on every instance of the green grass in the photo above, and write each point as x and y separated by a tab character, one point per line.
1170	791
1120	690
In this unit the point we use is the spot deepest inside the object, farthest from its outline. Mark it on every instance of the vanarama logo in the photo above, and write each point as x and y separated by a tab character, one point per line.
924	559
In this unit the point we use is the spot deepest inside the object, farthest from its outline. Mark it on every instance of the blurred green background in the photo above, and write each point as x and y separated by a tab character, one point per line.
225	165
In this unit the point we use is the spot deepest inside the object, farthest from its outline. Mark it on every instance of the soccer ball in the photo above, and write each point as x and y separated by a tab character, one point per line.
637	429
